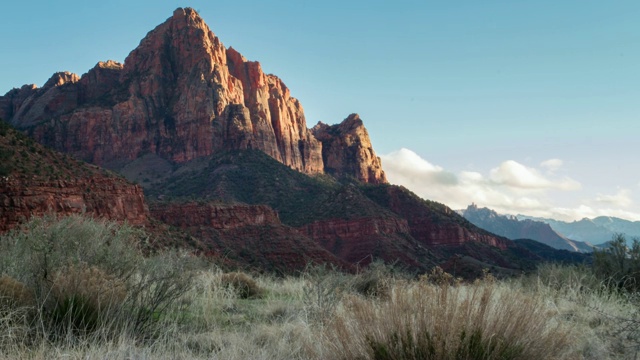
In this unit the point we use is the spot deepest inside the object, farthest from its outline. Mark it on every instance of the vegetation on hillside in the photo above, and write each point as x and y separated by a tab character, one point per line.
252	177
81	288
24	157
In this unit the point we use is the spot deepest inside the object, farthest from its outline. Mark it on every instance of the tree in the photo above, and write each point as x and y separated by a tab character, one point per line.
618	264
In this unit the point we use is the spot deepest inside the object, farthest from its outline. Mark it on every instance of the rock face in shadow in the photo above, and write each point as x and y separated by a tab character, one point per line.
182	95
102	197
246	234
221	217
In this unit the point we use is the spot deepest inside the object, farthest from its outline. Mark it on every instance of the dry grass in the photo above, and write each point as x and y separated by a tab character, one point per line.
518	319
425	321
561	312
14	294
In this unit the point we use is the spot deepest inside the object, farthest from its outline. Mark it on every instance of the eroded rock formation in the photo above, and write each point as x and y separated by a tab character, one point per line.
347	151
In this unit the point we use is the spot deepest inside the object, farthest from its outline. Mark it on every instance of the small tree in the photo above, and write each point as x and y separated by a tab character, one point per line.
619	264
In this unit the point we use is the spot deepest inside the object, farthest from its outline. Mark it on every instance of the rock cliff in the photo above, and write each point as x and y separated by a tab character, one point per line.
182	95
102	197
347	151
247	235
359	241
221	217
431	223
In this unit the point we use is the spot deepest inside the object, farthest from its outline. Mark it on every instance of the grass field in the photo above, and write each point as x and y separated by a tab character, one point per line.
99	301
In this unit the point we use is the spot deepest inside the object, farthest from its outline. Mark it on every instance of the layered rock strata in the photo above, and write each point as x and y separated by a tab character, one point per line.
105	198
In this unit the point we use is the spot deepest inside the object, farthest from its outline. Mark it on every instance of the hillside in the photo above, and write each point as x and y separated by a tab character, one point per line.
35	181
356	222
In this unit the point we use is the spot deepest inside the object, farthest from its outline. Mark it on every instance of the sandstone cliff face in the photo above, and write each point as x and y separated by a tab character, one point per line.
182	95
347	151
21	199
246	234
221	217
359	241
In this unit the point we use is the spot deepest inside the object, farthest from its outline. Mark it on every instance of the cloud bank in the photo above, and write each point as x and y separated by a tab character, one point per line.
510	188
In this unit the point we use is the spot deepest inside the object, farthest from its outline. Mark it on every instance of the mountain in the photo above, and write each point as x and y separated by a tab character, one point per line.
182	95
596	231
513	228
616	225
228	166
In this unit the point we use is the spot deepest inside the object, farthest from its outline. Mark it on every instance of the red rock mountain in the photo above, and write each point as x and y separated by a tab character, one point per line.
182	95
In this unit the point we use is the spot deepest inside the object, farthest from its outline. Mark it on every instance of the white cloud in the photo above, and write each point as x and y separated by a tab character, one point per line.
514	174
621	199
552	165
510	187
409	167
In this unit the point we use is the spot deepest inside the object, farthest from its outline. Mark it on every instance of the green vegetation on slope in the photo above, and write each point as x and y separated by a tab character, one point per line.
22	156
252	177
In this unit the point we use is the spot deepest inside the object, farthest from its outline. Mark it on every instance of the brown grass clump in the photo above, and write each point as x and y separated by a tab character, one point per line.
14	294
85	297
97	287
423	321
242	284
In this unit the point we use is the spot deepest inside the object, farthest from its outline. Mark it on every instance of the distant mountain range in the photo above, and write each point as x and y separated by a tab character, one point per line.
513	228
596	231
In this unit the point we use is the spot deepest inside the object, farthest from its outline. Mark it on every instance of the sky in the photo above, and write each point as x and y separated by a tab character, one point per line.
525	107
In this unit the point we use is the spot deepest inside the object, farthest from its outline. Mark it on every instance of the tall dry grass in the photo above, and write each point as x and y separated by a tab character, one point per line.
425	321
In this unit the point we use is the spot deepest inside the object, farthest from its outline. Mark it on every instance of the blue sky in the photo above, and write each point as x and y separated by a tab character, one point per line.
522	106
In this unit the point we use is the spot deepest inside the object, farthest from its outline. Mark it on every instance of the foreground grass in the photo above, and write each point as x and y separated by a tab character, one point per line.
89	294
302	318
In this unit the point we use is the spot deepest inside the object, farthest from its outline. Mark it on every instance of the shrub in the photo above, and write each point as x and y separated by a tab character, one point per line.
14	294
374	280
324	288
242	284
